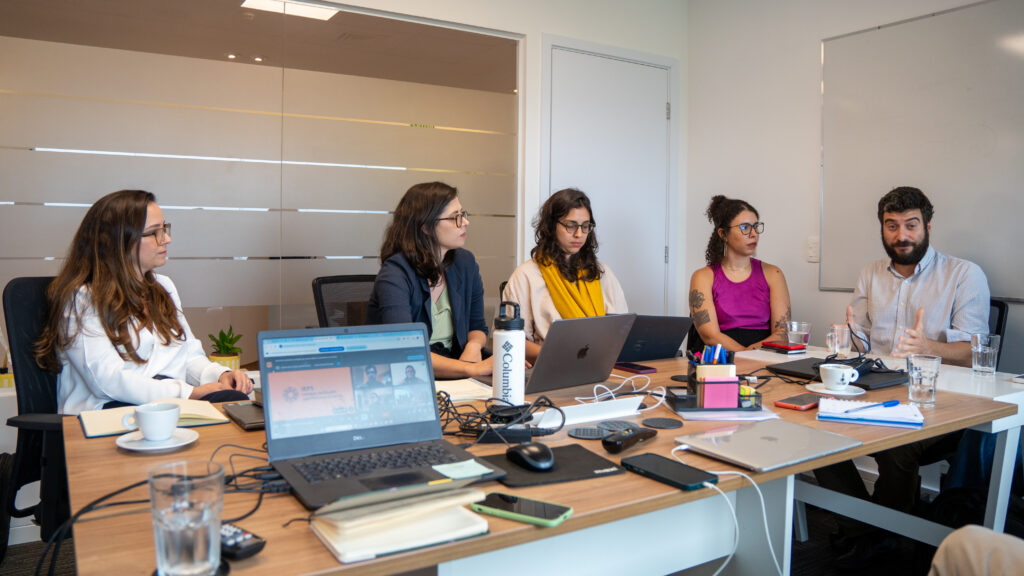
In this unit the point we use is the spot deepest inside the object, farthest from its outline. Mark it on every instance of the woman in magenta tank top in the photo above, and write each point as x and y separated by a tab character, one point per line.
737	300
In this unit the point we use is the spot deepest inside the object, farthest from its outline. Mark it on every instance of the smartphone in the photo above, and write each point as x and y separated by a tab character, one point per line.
635	368
522	509
799	402
668	471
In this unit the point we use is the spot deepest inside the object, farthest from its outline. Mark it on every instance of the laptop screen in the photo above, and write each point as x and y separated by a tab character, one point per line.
334	389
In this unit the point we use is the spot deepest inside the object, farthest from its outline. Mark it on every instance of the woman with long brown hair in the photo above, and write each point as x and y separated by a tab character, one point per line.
115	330
563	278
427	276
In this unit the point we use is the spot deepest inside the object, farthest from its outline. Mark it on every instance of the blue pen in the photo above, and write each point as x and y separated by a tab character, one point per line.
705	355
886	404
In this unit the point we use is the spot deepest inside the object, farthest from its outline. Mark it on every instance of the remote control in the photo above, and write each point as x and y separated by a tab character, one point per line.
237	543
624	439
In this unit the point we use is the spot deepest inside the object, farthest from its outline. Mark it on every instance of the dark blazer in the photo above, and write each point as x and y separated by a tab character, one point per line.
400	295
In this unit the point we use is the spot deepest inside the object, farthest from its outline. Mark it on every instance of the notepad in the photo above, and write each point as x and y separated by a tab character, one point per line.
901	416
96	423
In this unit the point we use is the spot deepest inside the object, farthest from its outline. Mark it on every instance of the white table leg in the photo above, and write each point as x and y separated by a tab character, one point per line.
1002	478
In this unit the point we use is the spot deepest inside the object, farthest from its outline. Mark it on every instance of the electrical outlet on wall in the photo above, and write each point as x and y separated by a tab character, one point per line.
813	246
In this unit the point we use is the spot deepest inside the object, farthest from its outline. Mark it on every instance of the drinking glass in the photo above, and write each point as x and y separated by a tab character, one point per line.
186	499
923	371
838	340
984	351
798	332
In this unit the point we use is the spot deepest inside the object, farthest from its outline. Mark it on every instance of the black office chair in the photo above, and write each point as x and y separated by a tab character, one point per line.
342	300
997	323
39	454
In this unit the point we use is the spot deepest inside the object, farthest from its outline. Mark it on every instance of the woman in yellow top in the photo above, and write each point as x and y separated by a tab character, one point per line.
562	278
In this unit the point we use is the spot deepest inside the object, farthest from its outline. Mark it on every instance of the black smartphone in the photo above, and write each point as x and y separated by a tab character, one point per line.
635	368
522	509
799	402
668	471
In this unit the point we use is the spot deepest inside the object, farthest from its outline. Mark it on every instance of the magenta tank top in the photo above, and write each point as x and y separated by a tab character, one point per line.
744	304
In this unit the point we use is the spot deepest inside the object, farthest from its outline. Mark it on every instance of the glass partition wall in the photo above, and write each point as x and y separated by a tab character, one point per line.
276	144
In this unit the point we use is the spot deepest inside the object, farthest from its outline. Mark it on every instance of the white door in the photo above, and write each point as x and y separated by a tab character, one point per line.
609	131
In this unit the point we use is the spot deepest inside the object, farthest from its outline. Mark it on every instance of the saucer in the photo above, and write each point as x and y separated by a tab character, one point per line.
135	442
819	388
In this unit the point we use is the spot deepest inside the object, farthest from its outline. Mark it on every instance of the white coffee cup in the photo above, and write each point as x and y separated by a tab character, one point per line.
837	376
157	421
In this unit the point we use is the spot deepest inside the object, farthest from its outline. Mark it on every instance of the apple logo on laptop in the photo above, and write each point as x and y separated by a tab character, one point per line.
583	352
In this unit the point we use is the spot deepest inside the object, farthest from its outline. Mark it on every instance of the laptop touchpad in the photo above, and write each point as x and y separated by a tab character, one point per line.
395	480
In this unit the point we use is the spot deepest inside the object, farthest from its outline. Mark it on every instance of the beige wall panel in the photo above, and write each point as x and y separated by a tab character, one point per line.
32	121
311	140
297	276
322	187
491	236
104	73
223	233
211	283
336	95
245	320
38	231
11	269
317	234
27	176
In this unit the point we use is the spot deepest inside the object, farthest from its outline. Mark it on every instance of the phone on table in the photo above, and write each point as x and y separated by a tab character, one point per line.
668	471
635	368
799	402
522	509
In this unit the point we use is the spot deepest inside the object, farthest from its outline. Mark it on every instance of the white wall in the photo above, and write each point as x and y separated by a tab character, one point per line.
652	26
755	129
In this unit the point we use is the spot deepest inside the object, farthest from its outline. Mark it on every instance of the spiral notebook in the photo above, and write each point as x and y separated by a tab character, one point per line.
900	416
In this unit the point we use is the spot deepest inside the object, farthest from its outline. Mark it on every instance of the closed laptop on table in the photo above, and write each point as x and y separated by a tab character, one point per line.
351	415
807	369
654	338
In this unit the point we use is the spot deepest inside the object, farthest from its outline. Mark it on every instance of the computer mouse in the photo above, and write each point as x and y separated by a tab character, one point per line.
532	456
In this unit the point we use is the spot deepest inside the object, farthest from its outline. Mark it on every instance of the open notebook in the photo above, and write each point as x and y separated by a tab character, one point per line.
900	416
108	422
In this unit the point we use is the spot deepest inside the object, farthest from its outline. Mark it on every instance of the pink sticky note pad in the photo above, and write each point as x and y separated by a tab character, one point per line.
725	395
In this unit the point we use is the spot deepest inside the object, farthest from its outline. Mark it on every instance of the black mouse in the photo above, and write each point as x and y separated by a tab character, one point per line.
532	456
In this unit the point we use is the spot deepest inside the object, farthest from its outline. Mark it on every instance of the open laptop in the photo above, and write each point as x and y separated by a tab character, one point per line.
807	369
337	399
767	445
654	338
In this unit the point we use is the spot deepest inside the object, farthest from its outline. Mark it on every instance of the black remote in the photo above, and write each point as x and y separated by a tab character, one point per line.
237	543
624	439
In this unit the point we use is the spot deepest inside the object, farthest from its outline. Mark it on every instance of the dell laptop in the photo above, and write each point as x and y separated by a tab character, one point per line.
352	418
807	369
767	445
654	338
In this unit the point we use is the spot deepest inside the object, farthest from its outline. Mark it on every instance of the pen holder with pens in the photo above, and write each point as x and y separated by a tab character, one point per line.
712	387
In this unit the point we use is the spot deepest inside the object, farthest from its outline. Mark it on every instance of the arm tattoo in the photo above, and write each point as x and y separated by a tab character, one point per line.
696	300
701	317
781	324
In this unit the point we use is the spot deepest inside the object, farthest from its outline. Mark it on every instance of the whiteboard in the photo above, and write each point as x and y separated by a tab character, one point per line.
937	103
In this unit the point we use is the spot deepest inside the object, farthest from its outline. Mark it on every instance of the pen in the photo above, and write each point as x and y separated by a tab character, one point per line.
718	351
886	404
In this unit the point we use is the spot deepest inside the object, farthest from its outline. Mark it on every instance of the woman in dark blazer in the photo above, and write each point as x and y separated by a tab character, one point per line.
427	276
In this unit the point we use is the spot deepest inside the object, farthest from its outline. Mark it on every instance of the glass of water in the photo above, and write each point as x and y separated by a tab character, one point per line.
923	371
186	499
837	340
984	351
798	332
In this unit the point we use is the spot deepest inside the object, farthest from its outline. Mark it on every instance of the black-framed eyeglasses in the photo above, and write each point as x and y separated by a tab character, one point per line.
459	218
571	227
746	228
160	233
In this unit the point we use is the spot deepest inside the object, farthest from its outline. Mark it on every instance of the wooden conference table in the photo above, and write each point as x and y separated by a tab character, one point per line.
621	524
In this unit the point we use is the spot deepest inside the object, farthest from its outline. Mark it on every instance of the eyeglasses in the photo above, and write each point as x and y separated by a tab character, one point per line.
571	227
746	228
459	218
161	233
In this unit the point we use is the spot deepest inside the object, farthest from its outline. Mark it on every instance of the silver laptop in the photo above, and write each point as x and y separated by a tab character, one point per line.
337	402
767	445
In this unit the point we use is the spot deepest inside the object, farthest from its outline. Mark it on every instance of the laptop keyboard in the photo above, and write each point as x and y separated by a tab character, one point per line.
367	463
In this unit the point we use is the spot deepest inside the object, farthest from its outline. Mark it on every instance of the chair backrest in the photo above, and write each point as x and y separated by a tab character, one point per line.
342	300
997	323
25	313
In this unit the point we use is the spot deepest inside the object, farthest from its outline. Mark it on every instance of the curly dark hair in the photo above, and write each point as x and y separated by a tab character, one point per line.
903	199
720	213
413	231
581	265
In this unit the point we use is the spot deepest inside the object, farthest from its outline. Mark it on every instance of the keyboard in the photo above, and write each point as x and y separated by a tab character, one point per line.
366	463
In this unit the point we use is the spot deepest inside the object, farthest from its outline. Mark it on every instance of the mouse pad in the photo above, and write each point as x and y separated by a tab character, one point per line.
573	462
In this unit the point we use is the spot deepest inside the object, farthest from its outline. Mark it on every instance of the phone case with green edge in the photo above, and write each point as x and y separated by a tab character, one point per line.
521	517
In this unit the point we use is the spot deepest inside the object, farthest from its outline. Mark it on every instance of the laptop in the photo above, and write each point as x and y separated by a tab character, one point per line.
654	338
767	445
807	369
337	399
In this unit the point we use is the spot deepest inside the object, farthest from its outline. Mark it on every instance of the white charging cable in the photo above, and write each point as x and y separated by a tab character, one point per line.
735	527
602	392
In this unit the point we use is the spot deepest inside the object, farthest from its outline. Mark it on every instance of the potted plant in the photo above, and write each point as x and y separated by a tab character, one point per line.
224	350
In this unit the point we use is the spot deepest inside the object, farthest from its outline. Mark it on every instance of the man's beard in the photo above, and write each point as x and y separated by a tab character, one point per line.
912	257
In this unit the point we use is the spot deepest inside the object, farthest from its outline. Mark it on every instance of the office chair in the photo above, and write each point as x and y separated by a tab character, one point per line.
342	300
997	323
39	455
